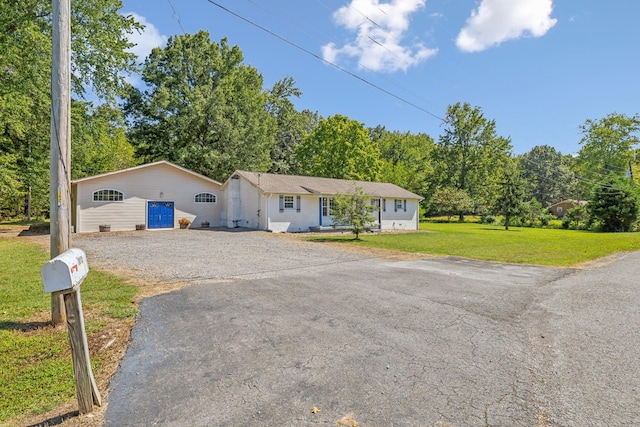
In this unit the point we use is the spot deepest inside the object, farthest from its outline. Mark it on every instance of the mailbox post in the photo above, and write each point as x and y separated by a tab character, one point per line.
64	274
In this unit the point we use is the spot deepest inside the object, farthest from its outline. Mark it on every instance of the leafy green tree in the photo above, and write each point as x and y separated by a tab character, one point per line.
405	158
339	148
608	147
532	212
511	196
450	201
99	140
10	188
577	218
203	108
355	210
470	155
614	204
292	125
100	62
548	175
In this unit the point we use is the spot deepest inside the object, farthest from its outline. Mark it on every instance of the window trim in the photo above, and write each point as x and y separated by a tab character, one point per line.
214	196
108	191
328	206
288	205
400	205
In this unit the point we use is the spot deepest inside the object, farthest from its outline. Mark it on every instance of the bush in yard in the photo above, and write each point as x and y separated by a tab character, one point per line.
614	204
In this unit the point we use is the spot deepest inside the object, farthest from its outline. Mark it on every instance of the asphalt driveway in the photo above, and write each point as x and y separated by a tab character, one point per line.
273	327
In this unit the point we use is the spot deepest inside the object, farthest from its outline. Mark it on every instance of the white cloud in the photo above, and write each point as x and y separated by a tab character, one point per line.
379	29
146	40
496	21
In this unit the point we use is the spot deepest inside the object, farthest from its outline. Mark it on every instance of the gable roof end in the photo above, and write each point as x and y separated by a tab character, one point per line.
146	165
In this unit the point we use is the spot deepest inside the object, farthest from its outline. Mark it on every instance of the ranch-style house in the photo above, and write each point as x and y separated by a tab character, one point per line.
158	195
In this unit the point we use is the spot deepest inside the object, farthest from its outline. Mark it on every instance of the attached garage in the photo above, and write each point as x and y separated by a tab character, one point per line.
156	195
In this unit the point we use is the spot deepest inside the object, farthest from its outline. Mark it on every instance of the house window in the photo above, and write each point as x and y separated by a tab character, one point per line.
205	198
328	205
288	202
559	209
400	205
108	195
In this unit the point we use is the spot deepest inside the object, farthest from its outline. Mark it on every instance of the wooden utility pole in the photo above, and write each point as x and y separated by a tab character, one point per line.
60	167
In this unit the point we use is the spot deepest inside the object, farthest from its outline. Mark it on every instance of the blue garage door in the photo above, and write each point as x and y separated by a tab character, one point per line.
160	215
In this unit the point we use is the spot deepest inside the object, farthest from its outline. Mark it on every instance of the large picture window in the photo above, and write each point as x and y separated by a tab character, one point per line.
108	195
206	198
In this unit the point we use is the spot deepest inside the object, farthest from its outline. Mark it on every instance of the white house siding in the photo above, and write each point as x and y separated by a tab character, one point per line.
158	182
400	220
290	220
243	205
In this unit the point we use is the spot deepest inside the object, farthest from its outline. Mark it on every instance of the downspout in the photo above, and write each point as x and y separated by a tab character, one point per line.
268	218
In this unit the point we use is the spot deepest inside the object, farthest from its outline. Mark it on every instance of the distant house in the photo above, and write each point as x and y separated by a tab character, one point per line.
560	209
157	195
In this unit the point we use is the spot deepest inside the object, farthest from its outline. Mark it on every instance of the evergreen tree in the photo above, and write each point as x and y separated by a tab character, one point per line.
511	197
614	204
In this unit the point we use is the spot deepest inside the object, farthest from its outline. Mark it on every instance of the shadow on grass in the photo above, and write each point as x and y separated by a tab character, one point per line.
23	327
334	240
515	230
54	421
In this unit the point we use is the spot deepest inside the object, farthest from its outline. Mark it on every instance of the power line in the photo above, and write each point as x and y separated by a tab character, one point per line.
362	79
176	16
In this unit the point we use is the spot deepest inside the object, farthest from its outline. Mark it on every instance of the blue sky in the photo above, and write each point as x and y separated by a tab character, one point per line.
539	68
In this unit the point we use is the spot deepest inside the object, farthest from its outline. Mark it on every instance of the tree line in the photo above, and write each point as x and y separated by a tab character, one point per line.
200	106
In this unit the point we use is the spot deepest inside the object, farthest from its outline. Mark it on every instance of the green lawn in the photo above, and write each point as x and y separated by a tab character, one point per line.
554	247
36	373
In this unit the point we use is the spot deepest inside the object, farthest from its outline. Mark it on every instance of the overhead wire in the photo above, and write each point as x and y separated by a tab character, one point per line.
342	69
307	25
350	73
307	51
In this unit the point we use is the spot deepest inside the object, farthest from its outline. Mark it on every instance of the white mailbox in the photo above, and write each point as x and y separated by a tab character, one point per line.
66	271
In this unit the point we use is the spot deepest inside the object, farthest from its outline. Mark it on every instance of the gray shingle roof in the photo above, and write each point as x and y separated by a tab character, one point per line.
294	184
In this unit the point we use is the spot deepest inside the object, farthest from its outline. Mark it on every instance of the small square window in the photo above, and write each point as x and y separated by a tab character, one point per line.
288	202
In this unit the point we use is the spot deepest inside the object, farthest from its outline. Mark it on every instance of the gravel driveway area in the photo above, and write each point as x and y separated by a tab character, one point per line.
277	331
205	254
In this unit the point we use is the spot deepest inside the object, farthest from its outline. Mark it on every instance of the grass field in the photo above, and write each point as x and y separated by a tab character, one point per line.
553	247
36	373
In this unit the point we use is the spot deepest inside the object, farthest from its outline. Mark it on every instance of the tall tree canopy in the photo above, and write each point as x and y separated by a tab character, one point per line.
339	148
548	175
292	125
608	147
99	140
203	109
405	158
470	155
100	62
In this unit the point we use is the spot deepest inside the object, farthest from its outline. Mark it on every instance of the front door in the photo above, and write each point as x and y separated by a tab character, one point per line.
160	215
